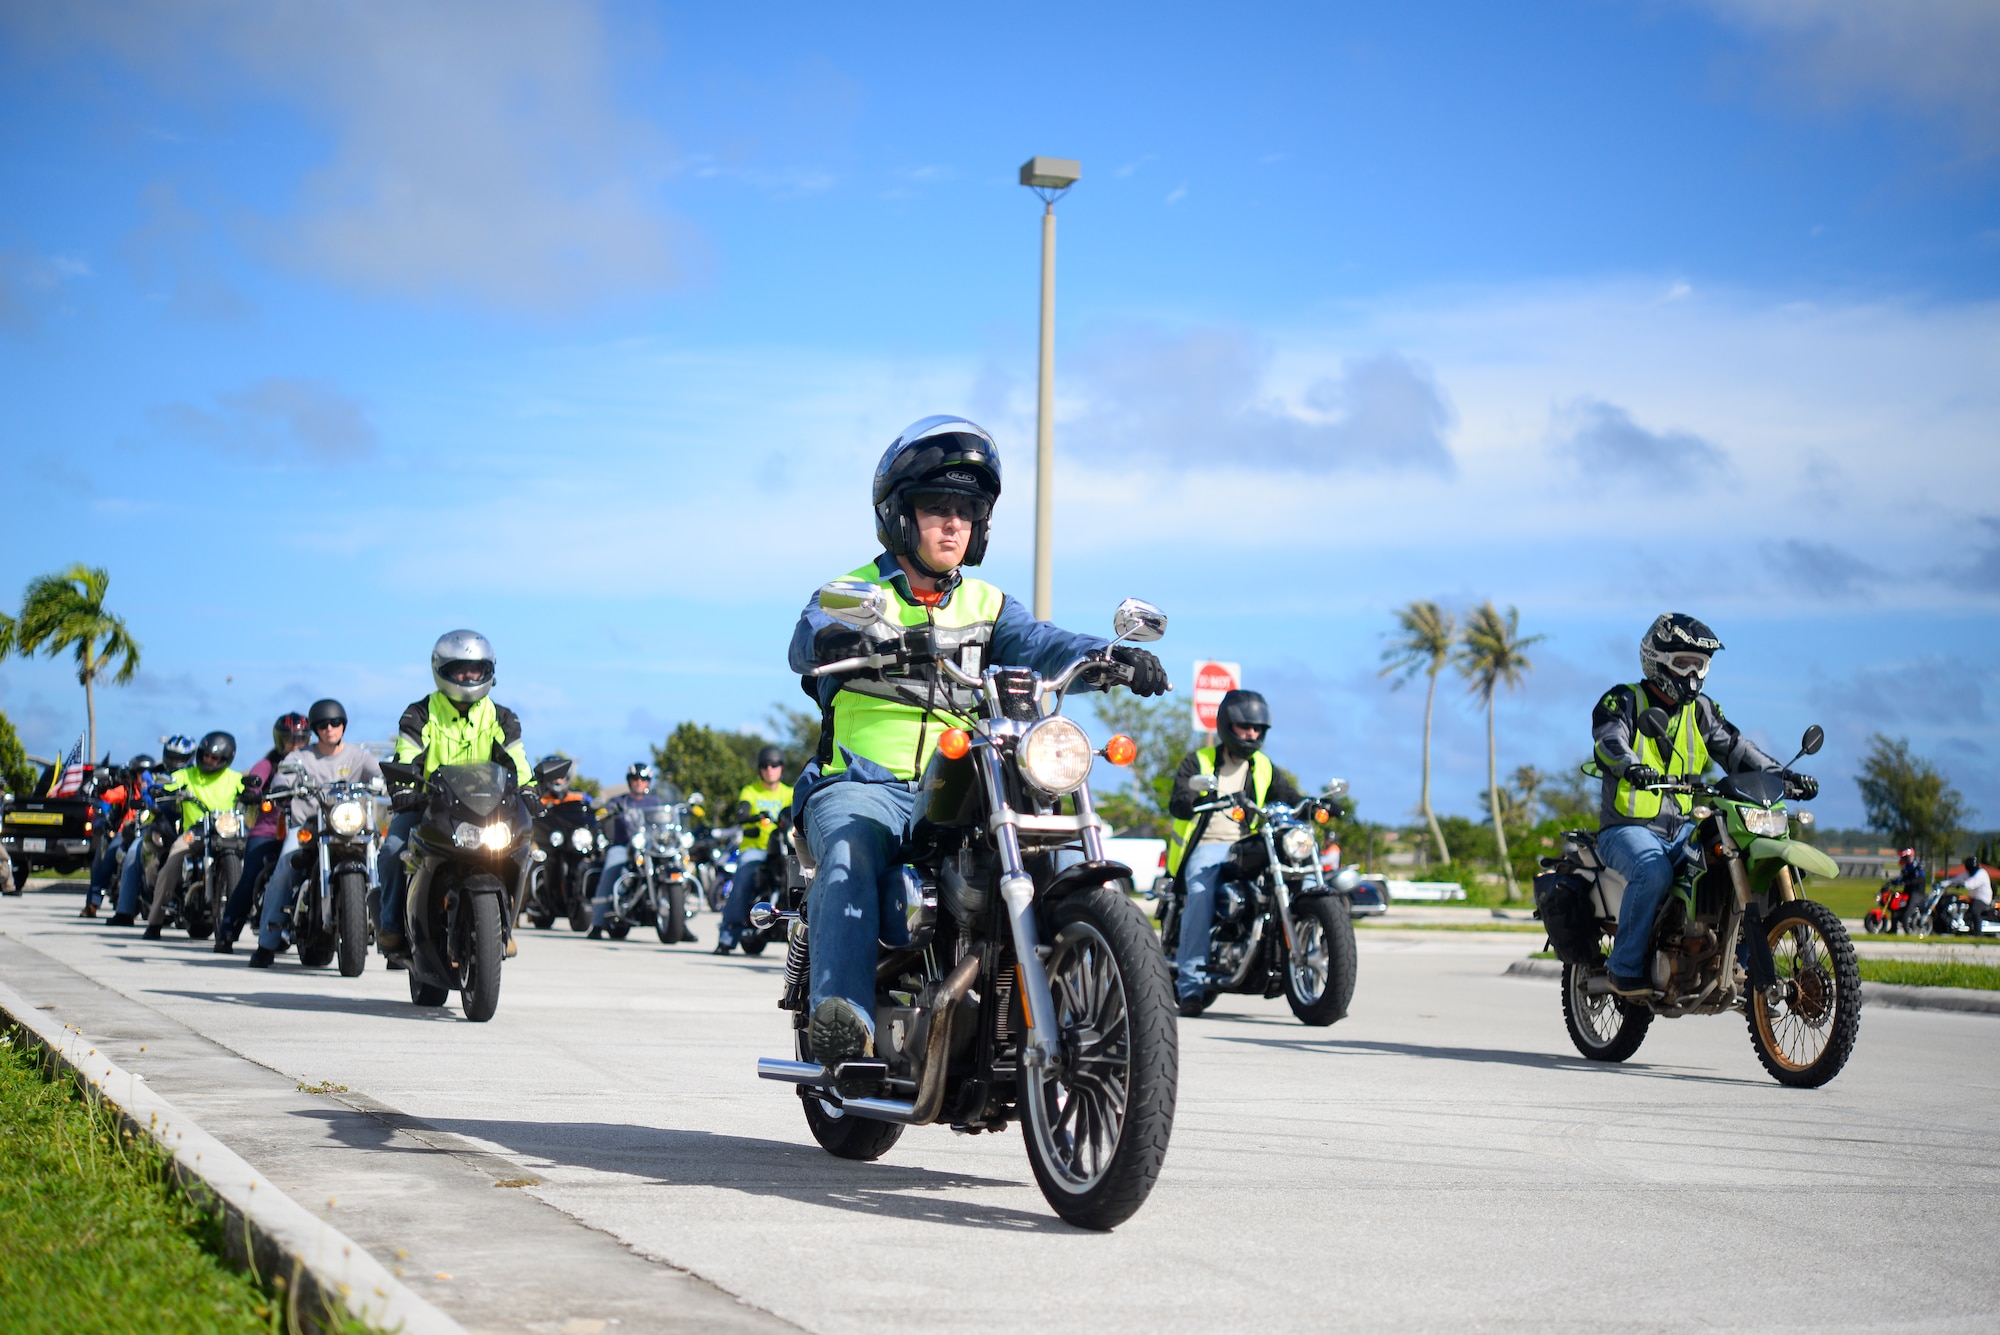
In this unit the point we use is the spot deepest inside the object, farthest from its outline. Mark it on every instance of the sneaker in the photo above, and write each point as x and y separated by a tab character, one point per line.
89	911
841	1033
151	933
225	945
261	958
1630	987
120	920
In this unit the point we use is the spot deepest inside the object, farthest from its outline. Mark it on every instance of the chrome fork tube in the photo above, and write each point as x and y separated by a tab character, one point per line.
1093	838
1017	888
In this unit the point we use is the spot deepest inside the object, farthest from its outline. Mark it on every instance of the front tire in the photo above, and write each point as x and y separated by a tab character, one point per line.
427	994
1097	1123
350	913
1604	1027
1319	972
480	996
670	922
1807	1036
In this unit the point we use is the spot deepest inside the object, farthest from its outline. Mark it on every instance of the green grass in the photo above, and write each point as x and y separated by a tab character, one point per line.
1932	973
94	1233
1849	896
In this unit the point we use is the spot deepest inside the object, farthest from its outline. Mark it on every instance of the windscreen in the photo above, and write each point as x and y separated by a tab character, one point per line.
478	788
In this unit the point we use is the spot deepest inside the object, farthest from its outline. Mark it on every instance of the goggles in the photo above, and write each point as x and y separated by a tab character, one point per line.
951	505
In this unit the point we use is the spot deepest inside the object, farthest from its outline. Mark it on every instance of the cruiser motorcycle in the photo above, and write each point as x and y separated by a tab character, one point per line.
1280	925
654	886
214	861
331	871
568	847
1732	934
1029	986
467	863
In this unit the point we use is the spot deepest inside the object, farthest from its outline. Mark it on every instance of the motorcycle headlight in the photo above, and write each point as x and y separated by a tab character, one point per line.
555	839
465	834
1770	822
346	818
583	840
496	836
687	840
229	824
1055	755
1296	845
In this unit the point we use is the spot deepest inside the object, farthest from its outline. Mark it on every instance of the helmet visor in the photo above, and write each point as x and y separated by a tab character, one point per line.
968	506
468	672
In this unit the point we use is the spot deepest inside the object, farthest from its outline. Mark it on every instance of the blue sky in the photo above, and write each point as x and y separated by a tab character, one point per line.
329	328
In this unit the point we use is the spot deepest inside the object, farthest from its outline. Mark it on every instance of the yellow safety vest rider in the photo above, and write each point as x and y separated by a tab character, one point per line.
1689	757
435	729
1261	771
767	802
204	792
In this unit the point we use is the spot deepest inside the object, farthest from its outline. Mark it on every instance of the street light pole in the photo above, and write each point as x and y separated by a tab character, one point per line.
1049	178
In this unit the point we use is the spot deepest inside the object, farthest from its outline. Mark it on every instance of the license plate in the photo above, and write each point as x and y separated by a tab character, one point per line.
35	818
34	845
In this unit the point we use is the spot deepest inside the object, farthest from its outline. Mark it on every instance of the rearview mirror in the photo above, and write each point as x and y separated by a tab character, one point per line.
855	603
554	770
1335	789
696	799
1653	723
1139	622
1815	738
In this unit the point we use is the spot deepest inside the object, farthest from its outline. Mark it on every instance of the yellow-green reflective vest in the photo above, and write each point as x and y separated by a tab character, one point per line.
1689	757
768	802
209	792
877	719
1204	759
451	738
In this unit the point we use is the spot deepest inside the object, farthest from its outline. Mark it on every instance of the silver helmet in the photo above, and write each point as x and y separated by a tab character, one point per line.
462	666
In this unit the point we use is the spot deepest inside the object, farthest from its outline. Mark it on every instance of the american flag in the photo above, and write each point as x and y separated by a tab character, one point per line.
71	779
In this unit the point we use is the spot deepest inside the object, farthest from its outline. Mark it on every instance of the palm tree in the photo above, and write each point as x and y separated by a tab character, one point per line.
66	611
1428	632
1489	656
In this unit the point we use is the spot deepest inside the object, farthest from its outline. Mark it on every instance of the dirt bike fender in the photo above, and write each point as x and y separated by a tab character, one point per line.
1792	853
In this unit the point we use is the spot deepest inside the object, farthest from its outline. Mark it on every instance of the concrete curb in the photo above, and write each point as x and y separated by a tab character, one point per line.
1965	1000
264	1228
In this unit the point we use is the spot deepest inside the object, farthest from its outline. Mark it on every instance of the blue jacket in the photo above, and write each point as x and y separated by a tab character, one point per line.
1018	641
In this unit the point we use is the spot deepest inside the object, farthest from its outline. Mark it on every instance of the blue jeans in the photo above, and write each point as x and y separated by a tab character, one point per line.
132	879
236	912
742	891
277	897
104	870
389	869
1201	872
1647	865
856	833
615	858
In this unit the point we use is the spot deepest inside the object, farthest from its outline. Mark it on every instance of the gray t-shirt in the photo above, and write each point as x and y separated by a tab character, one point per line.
1232	775
350	763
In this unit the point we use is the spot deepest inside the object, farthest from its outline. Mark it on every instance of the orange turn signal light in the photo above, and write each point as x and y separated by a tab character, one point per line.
305	836
1121	750
954	743
1237	814
1320	816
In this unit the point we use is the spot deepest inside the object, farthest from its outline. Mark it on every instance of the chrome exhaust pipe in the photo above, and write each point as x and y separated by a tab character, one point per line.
937	1042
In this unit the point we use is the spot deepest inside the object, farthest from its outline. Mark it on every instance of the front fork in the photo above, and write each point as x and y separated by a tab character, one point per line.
1017	888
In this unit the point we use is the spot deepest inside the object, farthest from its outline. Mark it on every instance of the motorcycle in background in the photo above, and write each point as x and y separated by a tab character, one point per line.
214	861
653	888
1897	910
1281	926
568	849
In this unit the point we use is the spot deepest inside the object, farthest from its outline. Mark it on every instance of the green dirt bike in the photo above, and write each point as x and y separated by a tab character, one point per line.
1733	933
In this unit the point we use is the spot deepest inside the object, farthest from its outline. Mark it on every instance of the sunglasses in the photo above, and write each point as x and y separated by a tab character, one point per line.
968	508
329	725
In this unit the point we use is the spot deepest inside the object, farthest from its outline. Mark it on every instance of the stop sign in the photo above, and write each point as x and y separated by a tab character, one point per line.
1212	681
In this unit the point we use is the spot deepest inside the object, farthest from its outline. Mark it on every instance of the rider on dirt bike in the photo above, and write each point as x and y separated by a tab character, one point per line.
759	804
209	785
330	759
623	815
454	725
933	495
1241	721
1642	832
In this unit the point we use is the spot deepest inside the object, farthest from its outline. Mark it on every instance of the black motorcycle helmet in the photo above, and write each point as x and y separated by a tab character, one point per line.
326	713
640	770
769	756
1971	865
1675	653
936	455
1246	709
217	749
289	732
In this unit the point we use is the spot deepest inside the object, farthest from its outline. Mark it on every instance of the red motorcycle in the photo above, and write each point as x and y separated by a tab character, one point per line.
1897	910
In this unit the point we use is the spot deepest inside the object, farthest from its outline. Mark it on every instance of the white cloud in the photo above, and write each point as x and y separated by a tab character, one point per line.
276	415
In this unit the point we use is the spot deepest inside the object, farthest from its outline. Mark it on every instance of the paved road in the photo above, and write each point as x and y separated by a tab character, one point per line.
1440	1160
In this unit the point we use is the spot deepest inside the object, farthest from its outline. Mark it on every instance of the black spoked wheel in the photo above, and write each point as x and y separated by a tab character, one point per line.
480	996
1804	1028
350	917
427	994
842	1134
1319	976
1097	1121
1604	1027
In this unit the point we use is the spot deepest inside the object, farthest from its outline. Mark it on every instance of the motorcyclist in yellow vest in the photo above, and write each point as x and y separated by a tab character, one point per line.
207	785
757	806
933	495
1198	845
1641	832
456	724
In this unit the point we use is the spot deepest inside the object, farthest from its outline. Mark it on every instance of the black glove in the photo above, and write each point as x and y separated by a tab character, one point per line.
1641	775
1801	787
1148	677
405	799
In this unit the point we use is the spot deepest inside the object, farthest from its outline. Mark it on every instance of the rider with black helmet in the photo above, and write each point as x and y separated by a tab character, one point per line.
456	724
1199	844
623	814
1641	831
119	804
1977	883
207	785
933	498
288	734
330	759
757	806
